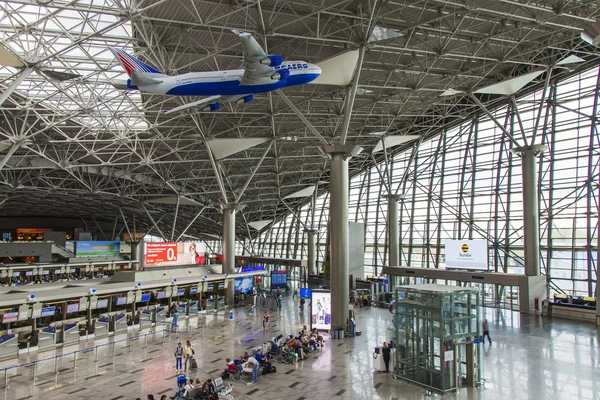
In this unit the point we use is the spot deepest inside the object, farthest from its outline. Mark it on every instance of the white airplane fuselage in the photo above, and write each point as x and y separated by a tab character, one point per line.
227	83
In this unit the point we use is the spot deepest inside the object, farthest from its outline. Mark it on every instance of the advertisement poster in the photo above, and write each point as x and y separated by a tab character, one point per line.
321	310
243	285
466	254
168	254
97	248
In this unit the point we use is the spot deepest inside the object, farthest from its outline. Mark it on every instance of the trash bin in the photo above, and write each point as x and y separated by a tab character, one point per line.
341	333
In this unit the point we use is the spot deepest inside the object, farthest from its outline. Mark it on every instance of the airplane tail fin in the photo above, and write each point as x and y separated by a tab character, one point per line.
130	63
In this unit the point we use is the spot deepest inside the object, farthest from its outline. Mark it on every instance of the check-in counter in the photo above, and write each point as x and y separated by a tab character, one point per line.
9	346
70	333
211	304
182	309
119	323
47	338
146	319
101	326
193	308
161	315
220	303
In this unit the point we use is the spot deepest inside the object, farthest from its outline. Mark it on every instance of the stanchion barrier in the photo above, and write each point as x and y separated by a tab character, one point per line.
55	358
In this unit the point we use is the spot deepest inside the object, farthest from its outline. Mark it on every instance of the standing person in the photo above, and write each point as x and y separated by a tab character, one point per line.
266	323
295	293
189	352
486	331
175	318
279	299
386	356
302	305
179	351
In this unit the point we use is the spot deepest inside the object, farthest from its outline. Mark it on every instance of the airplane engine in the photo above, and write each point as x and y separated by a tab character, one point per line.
246	99
212	107
274	60
280	75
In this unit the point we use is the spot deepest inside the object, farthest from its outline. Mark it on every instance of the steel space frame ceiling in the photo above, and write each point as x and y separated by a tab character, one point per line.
72	145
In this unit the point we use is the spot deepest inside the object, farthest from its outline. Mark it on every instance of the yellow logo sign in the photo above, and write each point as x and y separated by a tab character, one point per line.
465	248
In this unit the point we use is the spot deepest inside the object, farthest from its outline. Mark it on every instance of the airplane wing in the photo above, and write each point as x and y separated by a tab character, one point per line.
255	73
205	102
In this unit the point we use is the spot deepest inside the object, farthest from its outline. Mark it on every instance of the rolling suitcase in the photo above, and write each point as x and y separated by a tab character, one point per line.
193	363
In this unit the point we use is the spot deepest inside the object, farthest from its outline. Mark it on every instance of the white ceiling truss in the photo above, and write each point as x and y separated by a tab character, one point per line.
72	145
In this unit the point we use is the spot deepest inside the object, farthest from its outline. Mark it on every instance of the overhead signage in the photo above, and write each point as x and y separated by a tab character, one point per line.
251	268
466	254
97	248
166	254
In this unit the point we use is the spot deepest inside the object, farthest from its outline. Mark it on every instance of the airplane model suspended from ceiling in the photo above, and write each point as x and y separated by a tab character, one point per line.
261	73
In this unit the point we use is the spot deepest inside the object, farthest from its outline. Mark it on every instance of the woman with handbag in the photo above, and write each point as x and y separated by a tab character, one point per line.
189	352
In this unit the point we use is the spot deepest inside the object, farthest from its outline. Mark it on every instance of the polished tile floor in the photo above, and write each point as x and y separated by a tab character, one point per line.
531	358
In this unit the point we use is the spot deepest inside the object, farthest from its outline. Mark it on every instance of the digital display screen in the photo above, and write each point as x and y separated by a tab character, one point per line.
56	271
305	293
253	268
180	292
10	317
16	274
72	270
48	311
72	308
46	272
102	303
160	295
145	297
29	273
221	286
321	310
121	301
194	290
209	288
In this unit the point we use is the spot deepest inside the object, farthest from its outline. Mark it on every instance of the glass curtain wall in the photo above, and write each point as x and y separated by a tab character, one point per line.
466	184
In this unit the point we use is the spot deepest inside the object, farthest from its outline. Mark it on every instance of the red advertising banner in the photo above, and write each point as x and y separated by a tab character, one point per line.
160	252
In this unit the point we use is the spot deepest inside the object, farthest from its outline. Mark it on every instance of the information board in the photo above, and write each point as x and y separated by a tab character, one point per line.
97	248
279	279
466	254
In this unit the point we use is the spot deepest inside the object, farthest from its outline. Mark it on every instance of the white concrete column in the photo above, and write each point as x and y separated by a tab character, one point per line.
338	231
531	217
229	247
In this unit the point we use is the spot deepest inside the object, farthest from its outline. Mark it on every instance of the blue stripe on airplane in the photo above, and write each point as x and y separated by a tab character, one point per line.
232	88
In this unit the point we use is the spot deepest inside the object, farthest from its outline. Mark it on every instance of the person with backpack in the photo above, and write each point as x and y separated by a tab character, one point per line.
189	354
179	351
